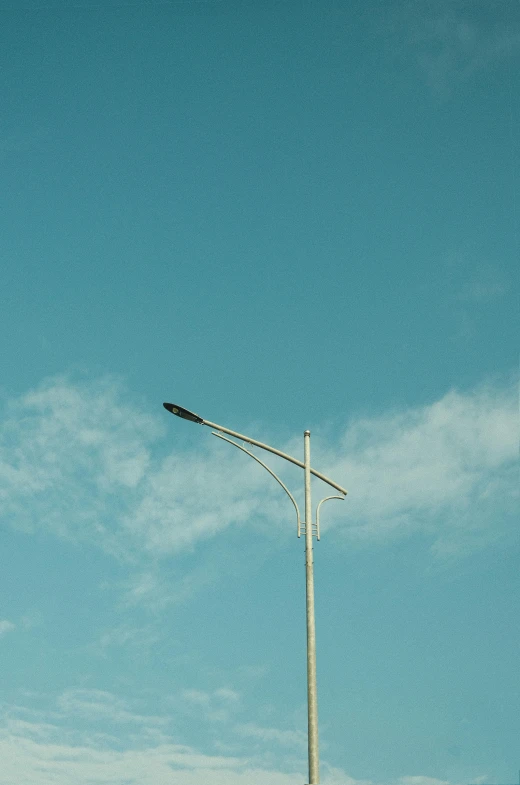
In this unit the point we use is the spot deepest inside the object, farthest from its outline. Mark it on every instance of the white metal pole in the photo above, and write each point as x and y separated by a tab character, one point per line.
312	695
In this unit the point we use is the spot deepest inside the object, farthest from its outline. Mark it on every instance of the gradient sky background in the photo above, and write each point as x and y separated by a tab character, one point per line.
283	215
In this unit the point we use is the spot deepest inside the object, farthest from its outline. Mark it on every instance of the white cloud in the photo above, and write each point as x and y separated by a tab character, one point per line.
5	627
486	283
228	695
40	747
42	755
217	706
193	497
68	452
27	762
45	752
96	705
31	620
420	780
448	469
483	291
141	639
453	41
76	460
285	738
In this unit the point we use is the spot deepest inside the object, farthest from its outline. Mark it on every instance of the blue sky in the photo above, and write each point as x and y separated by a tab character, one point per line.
282	215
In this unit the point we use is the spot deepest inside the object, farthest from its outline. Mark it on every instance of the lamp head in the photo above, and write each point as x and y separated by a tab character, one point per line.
181	412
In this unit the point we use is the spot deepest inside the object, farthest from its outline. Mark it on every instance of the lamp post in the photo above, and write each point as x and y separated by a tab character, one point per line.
307	527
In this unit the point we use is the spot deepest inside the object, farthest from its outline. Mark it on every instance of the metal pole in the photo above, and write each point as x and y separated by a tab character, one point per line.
312	695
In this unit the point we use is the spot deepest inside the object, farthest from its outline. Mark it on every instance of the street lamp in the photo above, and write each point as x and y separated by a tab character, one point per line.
306	527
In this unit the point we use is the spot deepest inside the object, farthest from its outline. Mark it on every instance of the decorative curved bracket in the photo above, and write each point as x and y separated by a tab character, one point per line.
318	511
278	480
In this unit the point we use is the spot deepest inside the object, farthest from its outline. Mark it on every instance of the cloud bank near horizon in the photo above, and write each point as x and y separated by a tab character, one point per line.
40	747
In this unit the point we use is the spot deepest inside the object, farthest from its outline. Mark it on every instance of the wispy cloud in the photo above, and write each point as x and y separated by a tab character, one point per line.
217	706
421	780
77	460
194	497
486	285
5	627
51	747
39	763
43	749
68	452
448	469
96	705
454	40
284	738
141	639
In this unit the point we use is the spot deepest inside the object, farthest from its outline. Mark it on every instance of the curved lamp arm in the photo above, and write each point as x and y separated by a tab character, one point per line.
185	414
278	480
271	449
318	511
